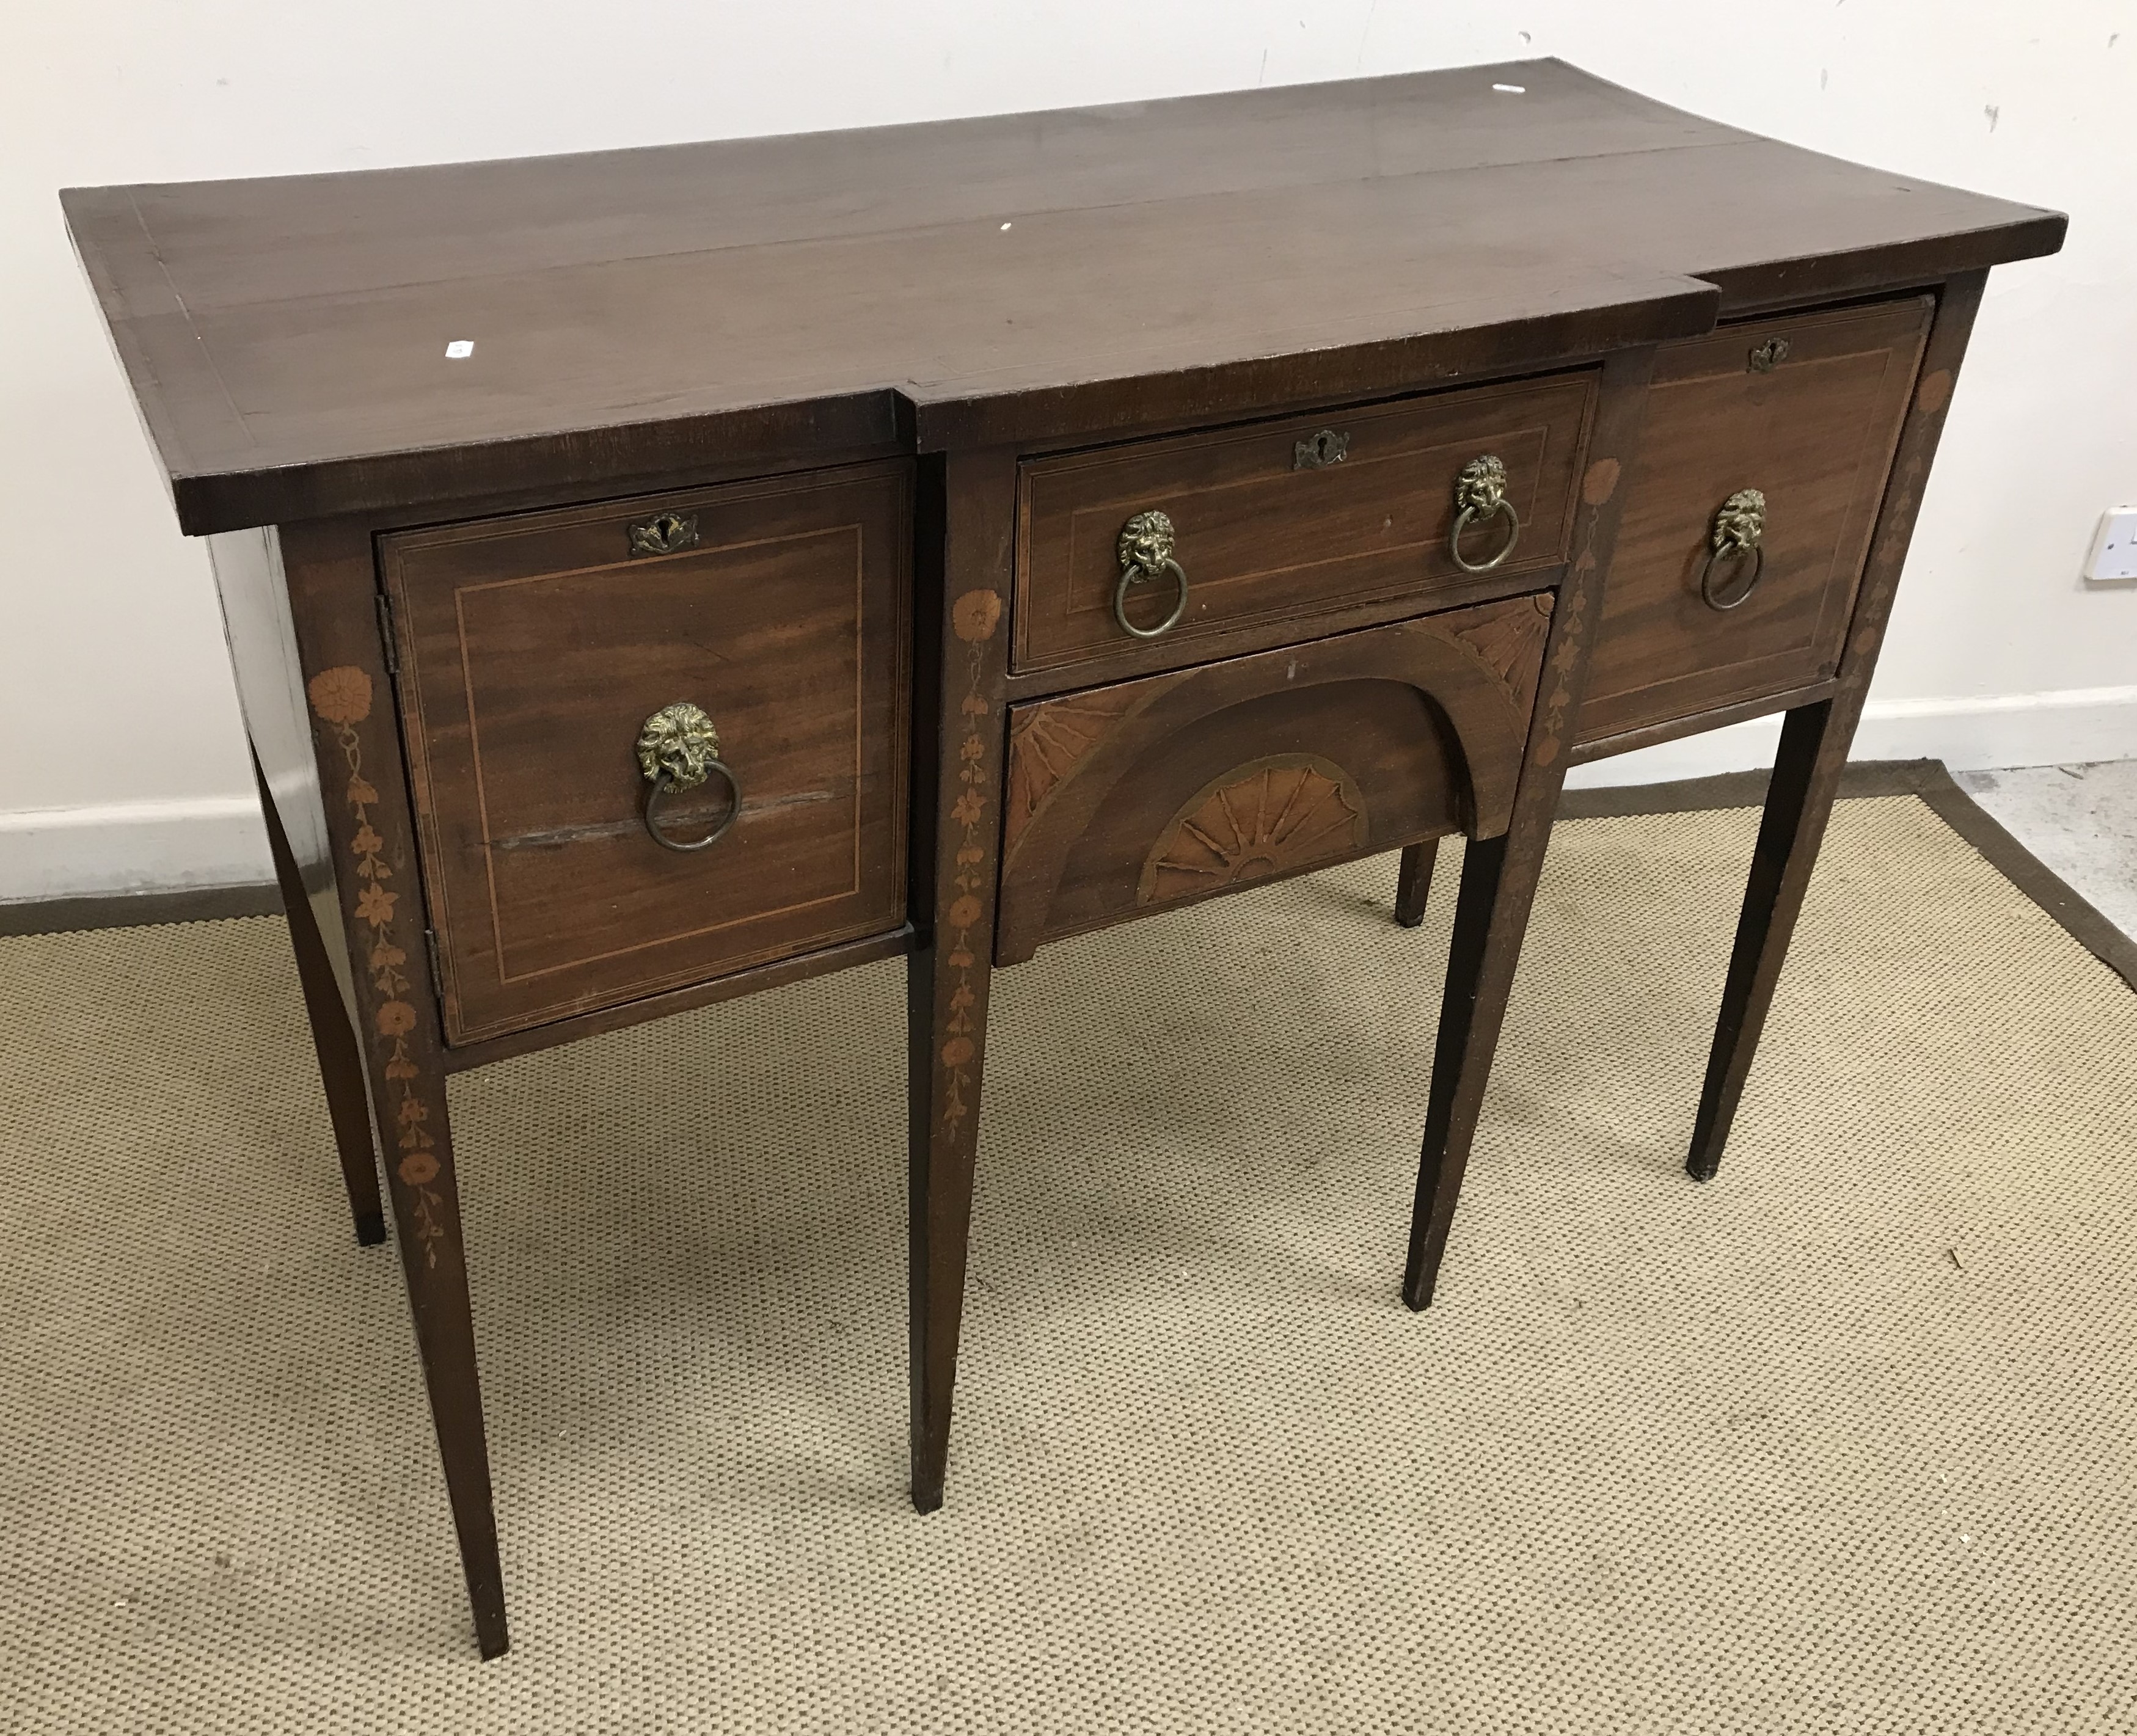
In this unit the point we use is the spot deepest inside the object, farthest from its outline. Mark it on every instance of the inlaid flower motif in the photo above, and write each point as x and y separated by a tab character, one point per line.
341	695
974	614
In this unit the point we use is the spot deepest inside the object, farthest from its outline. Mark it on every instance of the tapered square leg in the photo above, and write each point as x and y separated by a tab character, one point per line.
370	836
957	833
947	1005
1413	881
1814	753
424	1187
334	1038
1499	875
404	1058
1491	912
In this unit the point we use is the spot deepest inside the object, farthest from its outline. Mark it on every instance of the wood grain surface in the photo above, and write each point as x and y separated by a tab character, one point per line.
960	282
534	649
1176	787
1262	538
1814	433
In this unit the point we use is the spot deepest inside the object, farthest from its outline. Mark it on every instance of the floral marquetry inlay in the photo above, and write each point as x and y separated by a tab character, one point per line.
973	617
1271	816
342	698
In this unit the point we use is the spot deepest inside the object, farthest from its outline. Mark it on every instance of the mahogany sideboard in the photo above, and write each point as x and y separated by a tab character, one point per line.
658	575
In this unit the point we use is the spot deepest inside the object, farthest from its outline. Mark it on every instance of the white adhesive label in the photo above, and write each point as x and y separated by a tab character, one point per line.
460	349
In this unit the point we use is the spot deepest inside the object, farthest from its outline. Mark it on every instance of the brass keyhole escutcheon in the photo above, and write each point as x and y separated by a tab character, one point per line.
663	533
1318	451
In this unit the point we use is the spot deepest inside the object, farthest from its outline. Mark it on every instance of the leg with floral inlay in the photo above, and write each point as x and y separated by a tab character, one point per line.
372	840
423	1187
957	862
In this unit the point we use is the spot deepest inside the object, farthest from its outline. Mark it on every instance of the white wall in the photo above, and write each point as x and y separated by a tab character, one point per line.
121	759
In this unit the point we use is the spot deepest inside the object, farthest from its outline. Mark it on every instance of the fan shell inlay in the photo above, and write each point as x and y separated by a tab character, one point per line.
1269	817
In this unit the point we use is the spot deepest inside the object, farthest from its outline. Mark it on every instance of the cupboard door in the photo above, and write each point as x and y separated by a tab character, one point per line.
1804	410
534	650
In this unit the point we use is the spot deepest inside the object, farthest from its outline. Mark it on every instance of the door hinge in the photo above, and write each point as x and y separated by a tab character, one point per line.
386	635
437	971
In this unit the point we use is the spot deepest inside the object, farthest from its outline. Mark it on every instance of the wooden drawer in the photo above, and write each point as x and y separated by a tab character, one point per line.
1813	431
532	650
1127	798
1267	530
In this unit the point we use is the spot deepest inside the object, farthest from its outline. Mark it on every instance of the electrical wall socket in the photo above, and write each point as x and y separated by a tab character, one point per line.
2115	549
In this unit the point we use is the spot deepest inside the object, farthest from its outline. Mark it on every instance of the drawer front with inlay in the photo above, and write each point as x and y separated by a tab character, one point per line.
1175	540
1749	512
656	741
1125	799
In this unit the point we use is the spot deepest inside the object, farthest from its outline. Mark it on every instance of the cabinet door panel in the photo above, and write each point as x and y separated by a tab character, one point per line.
534	649
1806	409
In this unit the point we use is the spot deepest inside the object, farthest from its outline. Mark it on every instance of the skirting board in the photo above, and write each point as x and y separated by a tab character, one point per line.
123	849
157	847
2076	726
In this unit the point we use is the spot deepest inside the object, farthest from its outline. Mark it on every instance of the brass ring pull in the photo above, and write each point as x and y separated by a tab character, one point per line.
679	749
1145	551
1480	496
1737	546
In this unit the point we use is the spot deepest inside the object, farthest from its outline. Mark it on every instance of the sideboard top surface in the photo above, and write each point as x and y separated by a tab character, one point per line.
1011	277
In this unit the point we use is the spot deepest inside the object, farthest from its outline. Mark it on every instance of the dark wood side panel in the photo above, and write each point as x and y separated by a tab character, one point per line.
534	649
1804	408
1125	800
1288	520
253	591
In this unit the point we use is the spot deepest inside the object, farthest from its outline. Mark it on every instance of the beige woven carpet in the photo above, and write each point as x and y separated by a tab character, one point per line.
1843	1442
